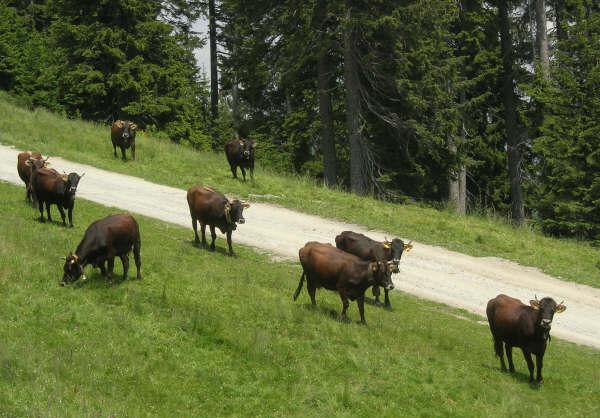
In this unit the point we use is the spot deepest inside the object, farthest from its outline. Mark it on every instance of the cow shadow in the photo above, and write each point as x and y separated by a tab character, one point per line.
328	312
218	249
371	302
518	376
52	222
96	281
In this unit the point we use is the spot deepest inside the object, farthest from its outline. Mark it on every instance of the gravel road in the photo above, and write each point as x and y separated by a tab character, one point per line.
427	271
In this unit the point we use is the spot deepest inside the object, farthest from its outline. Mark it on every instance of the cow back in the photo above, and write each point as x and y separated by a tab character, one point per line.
115	234
22	168
511	320
361	246
206	204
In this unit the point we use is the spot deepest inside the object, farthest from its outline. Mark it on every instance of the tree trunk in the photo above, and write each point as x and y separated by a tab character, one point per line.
214	80
324	70
235	109
461	209
541	37
358	156
453	187
510	116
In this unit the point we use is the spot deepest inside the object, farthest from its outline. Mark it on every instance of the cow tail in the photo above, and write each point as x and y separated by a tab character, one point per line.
297	292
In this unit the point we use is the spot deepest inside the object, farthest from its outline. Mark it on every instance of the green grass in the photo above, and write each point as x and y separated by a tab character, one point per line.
164	162
207	335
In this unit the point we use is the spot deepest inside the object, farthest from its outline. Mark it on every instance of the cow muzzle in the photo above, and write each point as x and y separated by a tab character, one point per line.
241	221
546	323
389	286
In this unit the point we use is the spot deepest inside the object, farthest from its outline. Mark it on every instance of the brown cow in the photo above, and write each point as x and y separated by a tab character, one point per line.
51	187
326	266
518	325
122	135
371	250
105	239
26	162
240	153
212	208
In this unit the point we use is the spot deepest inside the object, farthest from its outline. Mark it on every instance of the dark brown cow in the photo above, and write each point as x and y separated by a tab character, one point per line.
105	239
212	208
51	187
240	153
326	266
518	325
26	162
371	250
122	134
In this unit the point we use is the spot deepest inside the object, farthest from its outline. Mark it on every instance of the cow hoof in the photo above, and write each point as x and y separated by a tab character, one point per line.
344	319
388	307
232	254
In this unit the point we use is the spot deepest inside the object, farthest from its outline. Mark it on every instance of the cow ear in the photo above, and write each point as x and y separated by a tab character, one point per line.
241	142
560	308
374	267
133	126
408	247
119	124
535	304
387	244
253	144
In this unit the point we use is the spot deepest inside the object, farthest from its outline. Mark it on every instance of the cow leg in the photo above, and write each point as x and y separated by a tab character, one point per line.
376	293
41	208
387	303
102	269
361	308
123	154
213	235
345	304
125	261
137	258
508	349
48	211
252	171
539	359
234	171
231	253
115	148
499	349
529	361
312	291
62	214
133	151
243	172
70	211
195	227
203	227
110	261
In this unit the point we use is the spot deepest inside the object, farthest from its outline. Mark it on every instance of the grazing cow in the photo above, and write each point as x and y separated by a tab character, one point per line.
518	325
103	240
122	134
240	153
26	162
212	208
326	266
371	250
51	187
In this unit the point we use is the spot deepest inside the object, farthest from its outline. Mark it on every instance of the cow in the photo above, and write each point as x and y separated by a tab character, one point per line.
324	265
51	187
240	153
26	162
212	208
122	134
105	239
371	250
518	325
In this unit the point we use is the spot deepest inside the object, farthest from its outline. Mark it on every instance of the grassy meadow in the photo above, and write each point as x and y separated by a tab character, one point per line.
166	163
203	334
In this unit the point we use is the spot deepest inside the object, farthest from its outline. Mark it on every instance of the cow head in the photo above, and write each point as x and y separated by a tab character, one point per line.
72	270
382	273
128	130
546	309
247	148
37	163
234	212
70	182
396	247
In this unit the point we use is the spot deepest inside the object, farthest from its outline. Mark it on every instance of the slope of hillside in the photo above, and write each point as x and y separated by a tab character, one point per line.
167	163
204	334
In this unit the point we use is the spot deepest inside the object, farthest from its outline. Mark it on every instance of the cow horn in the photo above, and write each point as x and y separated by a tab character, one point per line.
228	212
82	174
46	159
64	176
560	307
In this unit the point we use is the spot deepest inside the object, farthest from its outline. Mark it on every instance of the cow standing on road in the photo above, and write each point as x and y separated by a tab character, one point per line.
27	162
212	208
122	134
105	239
518	325
371	250
240	153
324	265
51	187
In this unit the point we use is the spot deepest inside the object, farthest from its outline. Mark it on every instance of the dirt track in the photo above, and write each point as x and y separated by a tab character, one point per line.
430	272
